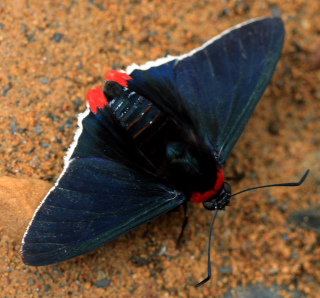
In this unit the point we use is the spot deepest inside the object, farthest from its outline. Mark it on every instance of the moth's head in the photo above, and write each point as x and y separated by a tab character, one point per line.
220	200
216	198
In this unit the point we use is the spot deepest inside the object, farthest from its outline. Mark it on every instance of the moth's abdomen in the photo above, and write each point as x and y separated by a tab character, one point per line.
137	115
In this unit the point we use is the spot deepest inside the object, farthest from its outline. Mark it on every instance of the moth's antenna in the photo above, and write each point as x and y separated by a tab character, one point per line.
272	185
229	196
209	250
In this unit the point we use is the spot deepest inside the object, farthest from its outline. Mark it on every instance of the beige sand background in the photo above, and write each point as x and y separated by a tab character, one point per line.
53	52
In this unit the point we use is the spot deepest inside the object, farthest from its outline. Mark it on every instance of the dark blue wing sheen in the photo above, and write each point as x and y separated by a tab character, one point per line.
215	88
99	136
94	201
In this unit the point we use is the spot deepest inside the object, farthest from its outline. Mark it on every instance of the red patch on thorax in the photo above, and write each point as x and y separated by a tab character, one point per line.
119	77
199	197
96	99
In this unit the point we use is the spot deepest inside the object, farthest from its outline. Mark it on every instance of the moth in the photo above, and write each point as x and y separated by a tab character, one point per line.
153	138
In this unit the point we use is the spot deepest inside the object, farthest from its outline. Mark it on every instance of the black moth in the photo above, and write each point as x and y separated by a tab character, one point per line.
152	139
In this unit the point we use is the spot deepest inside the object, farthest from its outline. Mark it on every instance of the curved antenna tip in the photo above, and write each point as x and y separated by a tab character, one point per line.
272	185
203	282
209	251
304	177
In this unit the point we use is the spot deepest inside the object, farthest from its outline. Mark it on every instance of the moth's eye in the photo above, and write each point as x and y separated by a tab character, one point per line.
209	205
226	187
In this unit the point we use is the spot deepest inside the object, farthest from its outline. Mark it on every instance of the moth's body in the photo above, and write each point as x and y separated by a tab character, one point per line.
177	155
154	138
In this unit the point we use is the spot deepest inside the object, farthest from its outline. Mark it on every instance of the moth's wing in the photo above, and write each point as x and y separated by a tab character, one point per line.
215	88
94	201
99	136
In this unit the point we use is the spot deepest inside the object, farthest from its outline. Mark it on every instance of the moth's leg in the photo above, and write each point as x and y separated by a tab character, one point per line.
185	222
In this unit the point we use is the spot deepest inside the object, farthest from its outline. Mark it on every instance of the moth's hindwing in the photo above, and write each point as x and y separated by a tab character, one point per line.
94	202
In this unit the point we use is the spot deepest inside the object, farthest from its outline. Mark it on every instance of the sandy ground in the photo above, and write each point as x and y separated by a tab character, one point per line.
53	52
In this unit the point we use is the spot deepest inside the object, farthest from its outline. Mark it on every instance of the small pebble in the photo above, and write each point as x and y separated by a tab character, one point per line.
47	288
225	270
102	283
31	281
35	162
57	37
44	80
